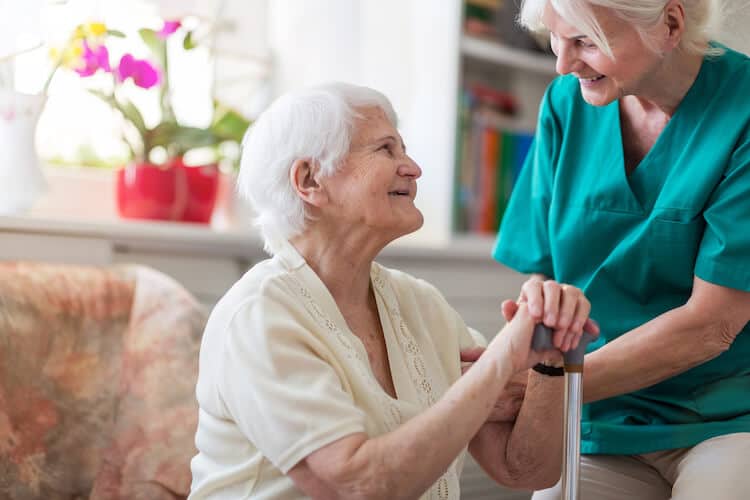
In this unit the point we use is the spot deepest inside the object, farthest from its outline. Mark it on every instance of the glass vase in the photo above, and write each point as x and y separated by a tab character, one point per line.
21	177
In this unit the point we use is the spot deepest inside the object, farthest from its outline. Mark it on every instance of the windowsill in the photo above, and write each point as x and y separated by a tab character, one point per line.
81	202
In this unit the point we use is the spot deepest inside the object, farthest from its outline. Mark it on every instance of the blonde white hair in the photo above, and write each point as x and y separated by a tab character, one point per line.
314	123
702	19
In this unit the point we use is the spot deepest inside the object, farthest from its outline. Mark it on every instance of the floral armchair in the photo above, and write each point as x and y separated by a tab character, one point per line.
97	376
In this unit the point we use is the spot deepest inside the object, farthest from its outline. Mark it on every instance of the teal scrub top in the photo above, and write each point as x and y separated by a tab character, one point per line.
633	243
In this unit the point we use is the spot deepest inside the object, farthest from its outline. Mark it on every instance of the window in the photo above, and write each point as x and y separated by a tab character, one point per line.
76	127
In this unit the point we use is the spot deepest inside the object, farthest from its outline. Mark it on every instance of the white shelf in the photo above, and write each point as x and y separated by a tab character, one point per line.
79	205
495	52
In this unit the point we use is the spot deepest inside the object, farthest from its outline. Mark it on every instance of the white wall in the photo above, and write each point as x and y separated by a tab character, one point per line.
735	32
407	49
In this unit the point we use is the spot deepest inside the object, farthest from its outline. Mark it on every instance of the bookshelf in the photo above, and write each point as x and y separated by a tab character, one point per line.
493	52
502	76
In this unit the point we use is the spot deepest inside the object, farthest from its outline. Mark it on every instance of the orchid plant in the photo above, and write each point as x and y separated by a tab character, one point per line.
86	53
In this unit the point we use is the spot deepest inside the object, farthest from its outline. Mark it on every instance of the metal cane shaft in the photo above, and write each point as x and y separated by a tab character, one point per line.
571	465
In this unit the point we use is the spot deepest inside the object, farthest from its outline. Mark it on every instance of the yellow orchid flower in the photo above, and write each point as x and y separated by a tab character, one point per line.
97	29
79	33
89	30
69	56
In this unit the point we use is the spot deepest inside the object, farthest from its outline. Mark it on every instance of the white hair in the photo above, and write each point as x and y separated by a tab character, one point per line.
702	19
314	123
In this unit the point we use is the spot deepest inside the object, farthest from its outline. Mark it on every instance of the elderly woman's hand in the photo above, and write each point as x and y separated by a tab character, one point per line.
561	307
513	342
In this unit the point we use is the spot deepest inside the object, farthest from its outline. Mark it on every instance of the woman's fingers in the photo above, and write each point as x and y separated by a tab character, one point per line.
520	331
472	354
509	309
561	307
469	356
579	319
570	305
591	326
533	295
558	338
573	304
557	305
552	300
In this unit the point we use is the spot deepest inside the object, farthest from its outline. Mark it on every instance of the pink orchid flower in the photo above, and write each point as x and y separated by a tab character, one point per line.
168	28
143	73
92	60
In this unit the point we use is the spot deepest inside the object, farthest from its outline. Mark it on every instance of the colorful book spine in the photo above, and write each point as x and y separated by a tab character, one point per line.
490	153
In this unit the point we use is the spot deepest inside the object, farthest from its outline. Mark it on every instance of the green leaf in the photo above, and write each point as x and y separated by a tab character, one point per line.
127	108
188	43
116	33
108	98
190	137
156	45
228	125
133	115
178	139
161	135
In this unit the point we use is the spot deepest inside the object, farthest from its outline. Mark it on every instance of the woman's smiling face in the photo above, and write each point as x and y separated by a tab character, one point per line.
602	79
377	181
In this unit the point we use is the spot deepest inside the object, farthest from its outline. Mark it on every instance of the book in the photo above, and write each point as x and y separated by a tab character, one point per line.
491	150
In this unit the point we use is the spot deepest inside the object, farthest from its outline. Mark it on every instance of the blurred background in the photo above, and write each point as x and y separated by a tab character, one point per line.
121	122
464	79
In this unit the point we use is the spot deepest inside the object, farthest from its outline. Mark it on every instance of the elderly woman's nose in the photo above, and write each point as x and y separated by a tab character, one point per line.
410	169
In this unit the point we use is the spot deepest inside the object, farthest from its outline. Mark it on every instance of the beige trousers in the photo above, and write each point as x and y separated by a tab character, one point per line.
716	469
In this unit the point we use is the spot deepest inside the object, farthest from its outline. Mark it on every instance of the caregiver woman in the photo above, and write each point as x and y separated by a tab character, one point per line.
637	191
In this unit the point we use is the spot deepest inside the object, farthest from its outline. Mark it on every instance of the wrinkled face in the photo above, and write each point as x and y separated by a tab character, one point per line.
602	78
377	182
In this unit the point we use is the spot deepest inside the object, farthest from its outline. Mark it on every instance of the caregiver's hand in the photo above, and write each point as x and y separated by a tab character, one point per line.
561	307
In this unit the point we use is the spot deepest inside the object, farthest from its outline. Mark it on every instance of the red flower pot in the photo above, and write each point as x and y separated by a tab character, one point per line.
146	191
172	191
202	185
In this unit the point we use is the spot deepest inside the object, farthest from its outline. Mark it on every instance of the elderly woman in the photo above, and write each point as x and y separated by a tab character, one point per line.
326	375
637	190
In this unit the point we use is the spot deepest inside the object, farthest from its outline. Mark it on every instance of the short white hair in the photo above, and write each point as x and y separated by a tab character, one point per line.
314	123
702	19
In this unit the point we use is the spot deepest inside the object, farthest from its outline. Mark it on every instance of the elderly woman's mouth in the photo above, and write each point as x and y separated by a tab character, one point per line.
399	192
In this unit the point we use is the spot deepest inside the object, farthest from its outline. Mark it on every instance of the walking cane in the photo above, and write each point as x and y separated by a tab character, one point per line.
573	359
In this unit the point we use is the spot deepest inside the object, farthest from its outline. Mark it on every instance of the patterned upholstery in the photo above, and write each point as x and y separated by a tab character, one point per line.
97	379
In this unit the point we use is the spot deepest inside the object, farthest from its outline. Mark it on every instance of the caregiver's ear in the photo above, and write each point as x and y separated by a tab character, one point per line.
674	22
304	178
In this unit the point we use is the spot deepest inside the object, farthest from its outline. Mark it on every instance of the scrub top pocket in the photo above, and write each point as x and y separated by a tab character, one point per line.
671	248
